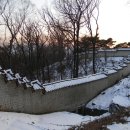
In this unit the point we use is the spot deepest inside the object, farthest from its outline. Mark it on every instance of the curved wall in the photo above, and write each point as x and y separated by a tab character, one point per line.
18	99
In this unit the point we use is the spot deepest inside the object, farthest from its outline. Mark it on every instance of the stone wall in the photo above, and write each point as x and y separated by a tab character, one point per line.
21	99
110	53
114	52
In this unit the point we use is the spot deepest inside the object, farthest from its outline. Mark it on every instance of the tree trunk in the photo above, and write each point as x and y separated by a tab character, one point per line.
94	55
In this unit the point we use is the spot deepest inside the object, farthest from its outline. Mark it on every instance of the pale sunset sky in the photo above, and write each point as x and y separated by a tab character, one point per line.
114	19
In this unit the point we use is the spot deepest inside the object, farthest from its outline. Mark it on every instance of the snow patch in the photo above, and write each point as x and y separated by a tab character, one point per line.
122	101
119	126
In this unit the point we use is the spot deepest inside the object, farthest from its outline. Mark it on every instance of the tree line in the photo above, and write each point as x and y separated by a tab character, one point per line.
40	42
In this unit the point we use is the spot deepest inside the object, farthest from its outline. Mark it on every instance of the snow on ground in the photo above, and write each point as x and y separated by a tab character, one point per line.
53	121
119	126
121	100
118	94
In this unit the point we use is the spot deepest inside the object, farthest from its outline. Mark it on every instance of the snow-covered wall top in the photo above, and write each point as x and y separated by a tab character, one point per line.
124	49
10	76
111	50
72	82
117	49
124	52
36	85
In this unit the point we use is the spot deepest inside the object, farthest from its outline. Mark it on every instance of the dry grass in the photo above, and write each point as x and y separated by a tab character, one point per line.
100	124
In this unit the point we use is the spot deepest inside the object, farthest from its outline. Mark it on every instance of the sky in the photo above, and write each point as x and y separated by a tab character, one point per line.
114	18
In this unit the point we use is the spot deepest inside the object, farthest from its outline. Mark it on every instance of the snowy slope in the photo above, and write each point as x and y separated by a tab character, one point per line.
118	94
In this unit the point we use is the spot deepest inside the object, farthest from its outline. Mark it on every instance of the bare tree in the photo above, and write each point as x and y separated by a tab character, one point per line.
91	17
13	18
72	12
57	35
73	15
